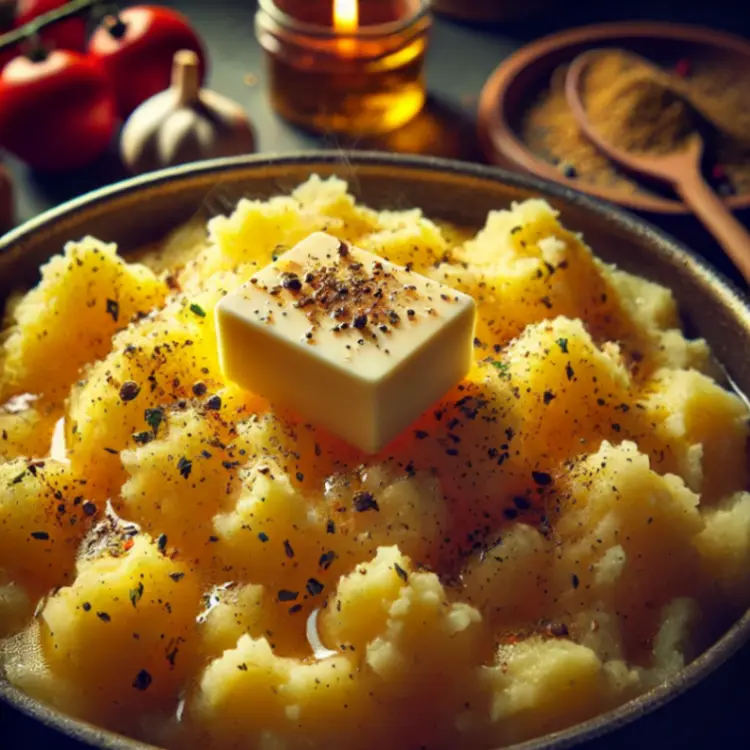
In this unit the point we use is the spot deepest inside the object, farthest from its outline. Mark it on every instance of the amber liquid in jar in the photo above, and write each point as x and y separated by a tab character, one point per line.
366	83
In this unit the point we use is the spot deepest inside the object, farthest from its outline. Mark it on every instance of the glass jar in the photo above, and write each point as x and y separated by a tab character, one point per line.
365	80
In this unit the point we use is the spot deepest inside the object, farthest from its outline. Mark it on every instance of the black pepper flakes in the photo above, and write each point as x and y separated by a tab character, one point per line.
360	321
541	478
557	630
104	617
136	594
285	595
575	581
214	403
113	309
547	397
161	542
154	418
142	680
570	374
364	501
521	503
343	249
200	388
86	607
291	282
330	527
184	466
401	573
288	549
143	438
326	559
42	536
129	390
420	434
294	609
314	587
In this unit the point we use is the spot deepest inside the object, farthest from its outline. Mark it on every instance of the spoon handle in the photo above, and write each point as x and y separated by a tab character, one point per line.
718	219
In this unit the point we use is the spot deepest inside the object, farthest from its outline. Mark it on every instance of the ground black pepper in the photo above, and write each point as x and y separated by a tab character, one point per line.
129	390
314	587
364	501
142	680
401	573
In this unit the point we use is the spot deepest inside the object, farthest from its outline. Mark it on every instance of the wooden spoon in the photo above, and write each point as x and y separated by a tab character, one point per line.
681	168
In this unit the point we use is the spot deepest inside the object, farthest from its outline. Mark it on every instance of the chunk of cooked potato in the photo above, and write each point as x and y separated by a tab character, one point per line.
181	479
407	238
275	536
231	612
297	703
509	581
724	546
571	393
359	612
26	427
140	597
153	364
691	426
538	686
43	516
524	267
612	499
68	320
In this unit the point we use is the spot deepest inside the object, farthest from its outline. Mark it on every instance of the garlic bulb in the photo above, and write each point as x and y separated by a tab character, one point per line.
184	123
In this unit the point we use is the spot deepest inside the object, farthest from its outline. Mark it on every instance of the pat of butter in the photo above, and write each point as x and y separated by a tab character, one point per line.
351	342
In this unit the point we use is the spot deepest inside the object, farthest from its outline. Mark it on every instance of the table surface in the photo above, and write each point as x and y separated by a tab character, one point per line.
461	58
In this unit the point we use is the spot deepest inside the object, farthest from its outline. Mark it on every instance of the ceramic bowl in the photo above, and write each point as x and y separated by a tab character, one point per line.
141	210
524	75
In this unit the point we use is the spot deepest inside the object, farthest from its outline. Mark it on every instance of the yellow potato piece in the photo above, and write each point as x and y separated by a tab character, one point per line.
540	685
27	430
571	393
691	426
141	598
182	479
68	320
43	516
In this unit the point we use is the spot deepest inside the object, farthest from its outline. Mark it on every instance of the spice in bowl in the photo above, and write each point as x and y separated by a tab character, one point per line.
639	109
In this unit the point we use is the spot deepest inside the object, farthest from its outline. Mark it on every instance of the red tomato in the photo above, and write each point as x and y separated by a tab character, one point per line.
137	50
70	34
58	113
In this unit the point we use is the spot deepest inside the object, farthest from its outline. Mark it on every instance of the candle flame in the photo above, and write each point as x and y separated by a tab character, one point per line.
346	15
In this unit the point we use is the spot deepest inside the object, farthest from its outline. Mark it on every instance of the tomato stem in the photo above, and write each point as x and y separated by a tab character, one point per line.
32	28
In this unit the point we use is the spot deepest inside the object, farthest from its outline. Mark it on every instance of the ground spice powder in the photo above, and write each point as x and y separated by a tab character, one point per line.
718	92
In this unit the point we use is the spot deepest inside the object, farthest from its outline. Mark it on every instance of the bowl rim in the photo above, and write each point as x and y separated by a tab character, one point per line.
737	636
502	145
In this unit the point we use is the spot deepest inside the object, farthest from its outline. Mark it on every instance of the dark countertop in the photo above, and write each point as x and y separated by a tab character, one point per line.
461	58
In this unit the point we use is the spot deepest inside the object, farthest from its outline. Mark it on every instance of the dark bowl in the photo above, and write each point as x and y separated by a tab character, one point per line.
519	79
139	211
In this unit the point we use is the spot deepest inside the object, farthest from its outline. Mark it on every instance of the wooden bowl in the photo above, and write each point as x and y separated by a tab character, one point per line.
143	209
519	79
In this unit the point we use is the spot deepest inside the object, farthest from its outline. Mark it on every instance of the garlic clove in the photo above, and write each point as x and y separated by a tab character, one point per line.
184	124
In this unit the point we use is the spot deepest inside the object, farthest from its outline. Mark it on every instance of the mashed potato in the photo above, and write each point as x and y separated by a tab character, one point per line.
568	527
